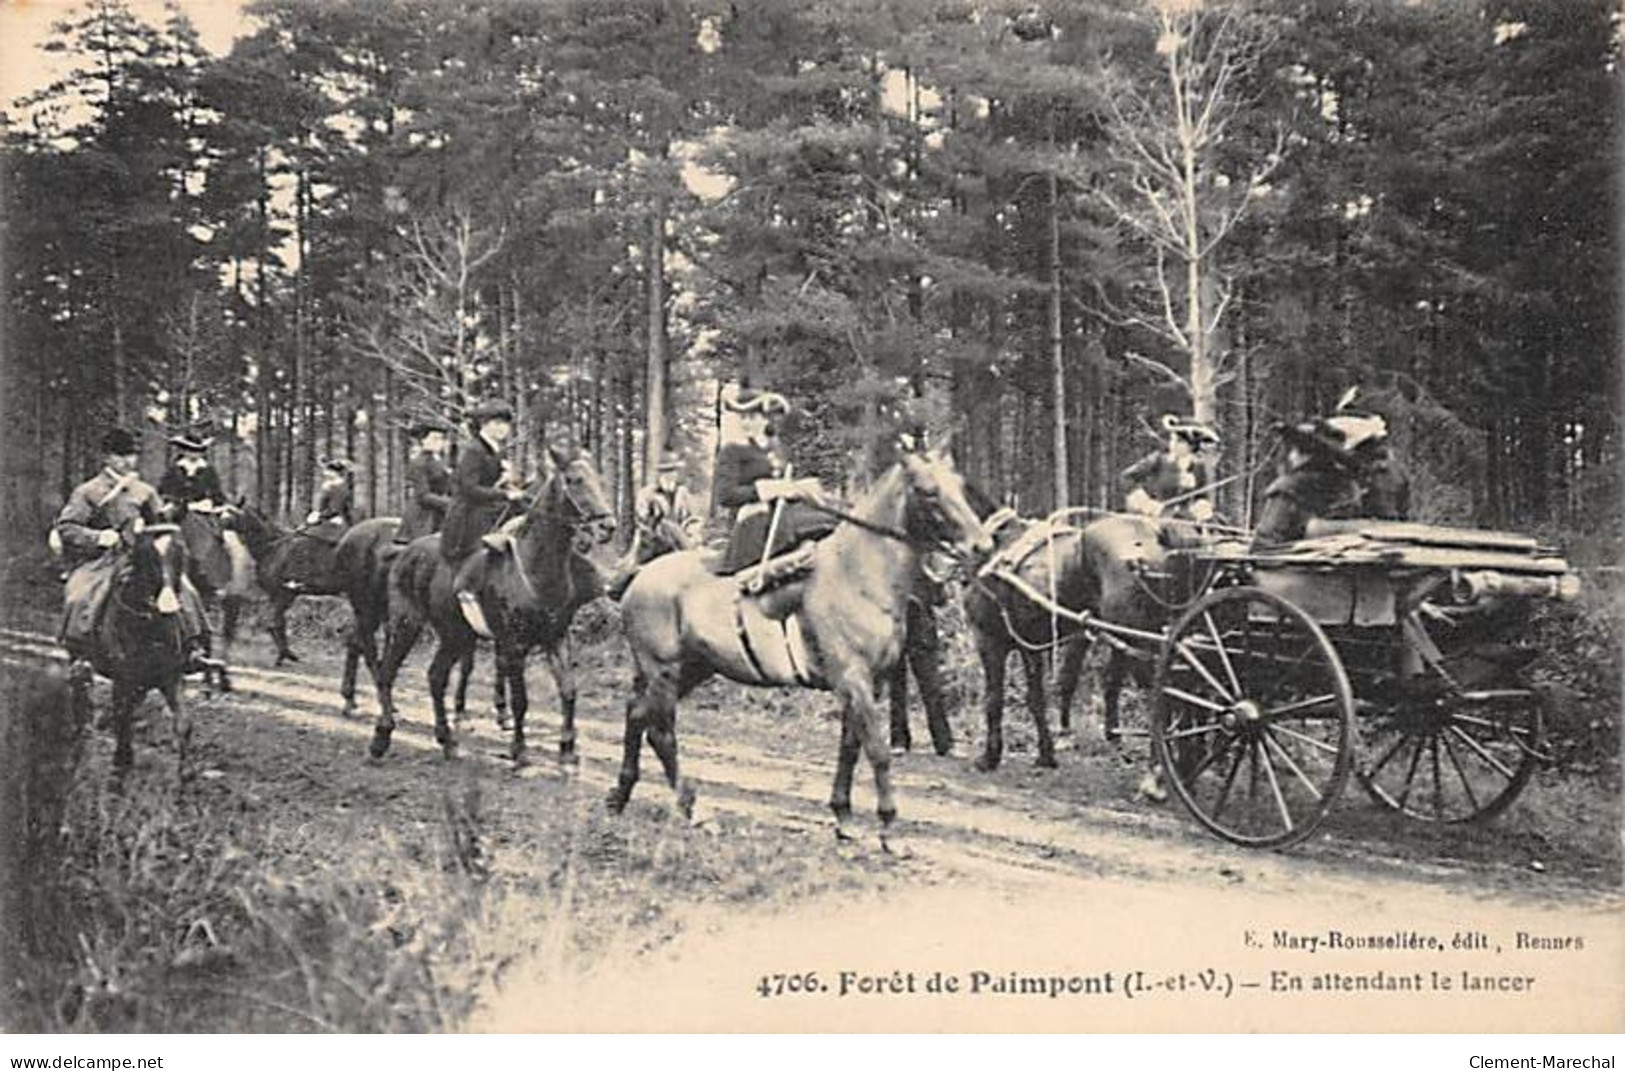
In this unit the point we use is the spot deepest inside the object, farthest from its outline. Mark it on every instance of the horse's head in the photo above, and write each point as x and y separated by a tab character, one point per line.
574	496
939	511
157	564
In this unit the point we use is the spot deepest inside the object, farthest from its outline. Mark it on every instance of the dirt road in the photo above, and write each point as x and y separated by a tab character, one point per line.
1029	903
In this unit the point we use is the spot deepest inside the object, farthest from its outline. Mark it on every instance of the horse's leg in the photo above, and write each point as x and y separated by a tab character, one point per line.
897	686
510	669
281	599
402	633
631	746
352	655
231	606
994	654
124	702
180	729
1116	665
858	692
439	674
561	660
846	763
1072	661
660	716
923	650
1033	663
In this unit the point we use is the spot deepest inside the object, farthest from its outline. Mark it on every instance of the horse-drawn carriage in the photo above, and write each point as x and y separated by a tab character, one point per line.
1371	650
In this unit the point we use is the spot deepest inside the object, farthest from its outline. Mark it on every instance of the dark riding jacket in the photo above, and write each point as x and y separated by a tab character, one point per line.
94	506
180	490
428	497
477	505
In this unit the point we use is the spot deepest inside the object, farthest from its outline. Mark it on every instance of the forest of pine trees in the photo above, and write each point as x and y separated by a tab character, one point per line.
1046	224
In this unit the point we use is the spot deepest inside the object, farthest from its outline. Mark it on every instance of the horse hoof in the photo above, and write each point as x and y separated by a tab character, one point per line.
899	749
519	756
986	763
380	744
569	759
896	845
615	802
1046	762
686	795
286	656
448	746
504	723
1150	788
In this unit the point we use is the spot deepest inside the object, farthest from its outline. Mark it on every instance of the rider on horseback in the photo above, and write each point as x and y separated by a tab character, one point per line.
480	500
665	502
90	528
190	482
333	499
752	479
428	483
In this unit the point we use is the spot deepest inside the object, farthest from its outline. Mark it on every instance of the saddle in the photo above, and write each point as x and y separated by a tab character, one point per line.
779	570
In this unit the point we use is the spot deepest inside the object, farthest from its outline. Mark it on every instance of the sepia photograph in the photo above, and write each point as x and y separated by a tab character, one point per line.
830	517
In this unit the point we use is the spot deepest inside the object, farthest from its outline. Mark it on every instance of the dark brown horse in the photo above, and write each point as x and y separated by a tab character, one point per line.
529	595
1007	618
840	629
221	569
288	563
361	564
139	643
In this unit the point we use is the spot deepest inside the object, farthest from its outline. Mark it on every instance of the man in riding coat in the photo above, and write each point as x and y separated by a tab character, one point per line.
1167	479
752	480
428	484
481	499
91	529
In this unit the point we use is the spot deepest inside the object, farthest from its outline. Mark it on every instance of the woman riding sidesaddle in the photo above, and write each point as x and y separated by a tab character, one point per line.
754	481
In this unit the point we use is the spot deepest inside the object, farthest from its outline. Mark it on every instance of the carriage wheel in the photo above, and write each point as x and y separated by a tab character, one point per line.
1461	758
1253	720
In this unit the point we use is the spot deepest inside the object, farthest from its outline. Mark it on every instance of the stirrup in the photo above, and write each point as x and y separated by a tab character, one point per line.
469	603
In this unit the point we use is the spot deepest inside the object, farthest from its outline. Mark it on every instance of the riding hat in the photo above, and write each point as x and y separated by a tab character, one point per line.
751	400
338	465
120	441
420	429
1191	431
491	409
670	461
191	442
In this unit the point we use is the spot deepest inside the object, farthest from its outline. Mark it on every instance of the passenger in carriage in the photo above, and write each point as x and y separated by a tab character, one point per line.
754	481
1168	482
1337	468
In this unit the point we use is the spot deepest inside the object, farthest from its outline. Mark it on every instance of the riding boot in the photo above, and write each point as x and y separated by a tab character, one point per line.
194	631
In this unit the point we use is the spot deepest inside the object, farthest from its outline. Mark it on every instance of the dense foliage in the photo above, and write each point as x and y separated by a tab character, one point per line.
605	209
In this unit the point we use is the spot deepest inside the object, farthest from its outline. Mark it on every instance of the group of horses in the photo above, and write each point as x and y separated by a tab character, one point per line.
683	623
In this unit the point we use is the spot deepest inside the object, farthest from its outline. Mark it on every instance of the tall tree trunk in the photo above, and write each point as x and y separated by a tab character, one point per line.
1057	353
656	388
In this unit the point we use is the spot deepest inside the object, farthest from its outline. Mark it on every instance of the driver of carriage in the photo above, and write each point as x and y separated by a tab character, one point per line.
333	499
482	495
754	481
1167	481
90	529
190	483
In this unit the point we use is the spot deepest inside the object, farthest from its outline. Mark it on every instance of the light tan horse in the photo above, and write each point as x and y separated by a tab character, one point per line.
840	629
